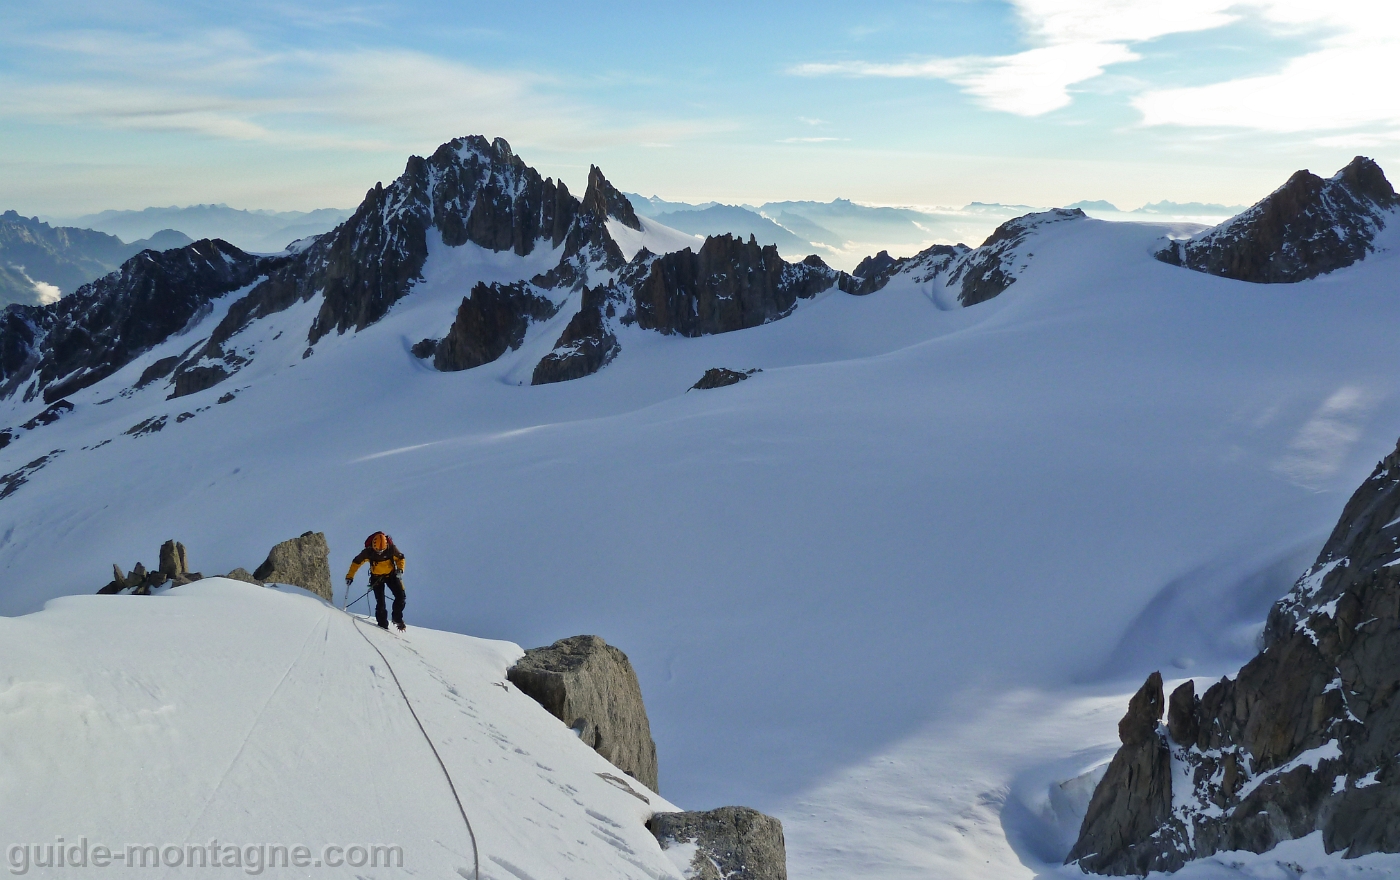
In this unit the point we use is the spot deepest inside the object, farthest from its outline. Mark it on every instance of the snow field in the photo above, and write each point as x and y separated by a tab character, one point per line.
892	587
230	712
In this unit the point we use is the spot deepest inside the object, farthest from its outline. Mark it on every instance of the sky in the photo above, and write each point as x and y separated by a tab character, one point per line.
301	104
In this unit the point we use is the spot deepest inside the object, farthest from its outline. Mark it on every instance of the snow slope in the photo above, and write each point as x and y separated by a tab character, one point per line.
655	237
252	717
892	589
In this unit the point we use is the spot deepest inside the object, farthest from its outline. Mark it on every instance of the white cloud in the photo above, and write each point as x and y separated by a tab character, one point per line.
221	85
47	293
1347	83
1072	41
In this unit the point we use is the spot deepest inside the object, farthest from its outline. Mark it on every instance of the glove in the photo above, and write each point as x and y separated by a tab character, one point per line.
349	580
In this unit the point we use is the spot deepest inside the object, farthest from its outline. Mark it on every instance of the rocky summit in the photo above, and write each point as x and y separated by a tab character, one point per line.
1305	228
1303	739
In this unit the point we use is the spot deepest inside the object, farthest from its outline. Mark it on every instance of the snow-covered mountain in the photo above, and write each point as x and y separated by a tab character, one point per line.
1306	227
894	588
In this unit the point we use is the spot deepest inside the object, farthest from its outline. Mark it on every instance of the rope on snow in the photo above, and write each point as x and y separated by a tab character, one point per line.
476	858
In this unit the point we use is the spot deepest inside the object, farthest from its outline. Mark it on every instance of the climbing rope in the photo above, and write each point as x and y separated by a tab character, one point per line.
349	605
476	858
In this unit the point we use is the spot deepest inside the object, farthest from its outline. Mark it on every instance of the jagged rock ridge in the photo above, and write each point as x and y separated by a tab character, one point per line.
1305	228
65	257
86	337
469	191
729	285
1304	739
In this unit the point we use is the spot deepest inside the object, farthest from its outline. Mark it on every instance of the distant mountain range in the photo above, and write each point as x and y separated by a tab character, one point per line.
252	231
1168	209
842	231
40	263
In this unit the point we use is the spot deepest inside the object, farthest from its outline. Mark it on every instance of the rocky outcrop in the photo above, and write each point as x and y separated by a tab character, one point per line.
729	285
990	269
591	687
197	377
1305	228
10	482
174	561
51	414
59	349
880	264
173	571
587	343
1135	796
1304	738
604	200
1183	711
490	321
932	261
303	562
731	843
873	273
719	377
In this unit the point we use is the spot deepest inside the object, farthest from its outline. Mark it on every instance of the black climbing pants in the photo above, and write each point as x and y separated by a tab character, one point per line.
377	583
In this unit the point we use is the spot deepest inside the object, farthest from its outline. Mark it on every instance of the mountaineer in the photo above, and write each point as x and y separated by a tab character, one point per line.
385	566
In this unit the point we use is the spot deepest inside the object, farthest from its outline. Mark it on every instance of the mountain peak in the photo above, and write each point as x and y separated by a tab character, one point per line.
1365	178
1305	228
604	200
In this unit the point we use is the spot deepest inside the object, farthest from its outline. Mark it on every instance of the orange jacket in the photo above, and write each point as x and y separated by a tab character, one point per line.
381	562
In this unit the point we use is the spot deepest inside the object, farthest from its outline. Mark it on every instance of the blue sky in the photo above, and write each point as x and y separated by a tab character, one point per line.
297	105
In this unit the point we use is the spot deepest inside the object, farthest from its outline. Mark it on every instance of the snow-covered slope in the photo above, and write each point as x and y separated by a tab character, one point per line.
887	589
654	236
223	719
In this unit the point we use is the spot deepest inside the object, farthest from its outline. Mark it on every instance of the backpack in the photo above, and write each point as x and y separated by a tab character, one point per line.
369	542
